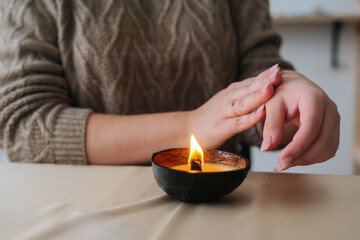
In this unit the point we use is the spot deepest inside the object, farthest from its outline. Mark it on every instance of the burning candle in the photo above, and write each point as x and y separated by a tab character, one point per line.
197	175
196	161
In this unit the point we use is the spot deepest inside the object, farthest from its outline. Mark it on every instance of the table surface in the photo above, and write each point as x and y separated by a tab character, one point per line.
44	201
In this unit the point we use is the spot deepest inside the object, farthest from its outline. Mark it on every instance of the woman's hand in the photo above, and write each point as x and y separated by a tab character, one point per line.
110	136
231	110
304	104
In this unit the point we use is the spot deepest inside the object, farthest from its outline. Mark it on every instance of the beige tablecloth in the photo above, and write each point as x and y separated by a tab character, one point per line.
41	201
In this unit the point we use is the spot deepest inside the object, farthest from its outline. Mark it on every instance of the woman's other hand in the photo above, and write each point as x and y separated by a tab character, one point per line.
307	106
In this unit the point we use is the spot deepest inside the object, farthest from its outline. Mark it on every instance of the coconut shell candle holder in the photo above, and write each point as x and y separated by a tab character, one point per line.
188	180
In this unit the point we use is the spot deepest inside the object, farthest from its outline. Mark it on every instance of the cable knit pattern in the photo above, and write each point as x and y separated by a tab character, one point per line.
61	60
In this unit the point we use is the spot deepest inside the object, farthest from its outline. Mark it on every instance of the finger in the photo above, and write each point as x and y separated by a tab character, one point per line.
326	144
324	156
249	103
274	124
250	85
329	154
311	119
273	75
247	121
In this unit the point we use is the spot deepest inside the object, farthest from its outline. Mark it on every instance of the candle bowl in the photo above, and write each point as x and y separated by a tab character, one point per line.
199	186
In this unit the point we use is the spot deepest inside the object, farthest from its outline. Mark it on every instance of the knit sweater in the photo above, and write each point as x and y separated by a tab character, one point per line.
61	60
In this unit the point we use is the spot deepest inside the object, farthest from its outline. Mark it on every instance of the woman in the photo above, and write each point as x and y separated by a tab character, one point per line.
111	82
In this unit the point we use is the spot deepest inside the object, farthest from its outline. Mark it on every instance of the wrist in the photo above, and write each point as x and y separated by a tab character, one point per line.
188	125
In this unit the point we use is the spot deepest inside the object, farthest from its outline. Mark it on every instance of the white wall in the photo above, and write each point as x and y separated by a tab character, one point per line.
305	7
3	157
308	47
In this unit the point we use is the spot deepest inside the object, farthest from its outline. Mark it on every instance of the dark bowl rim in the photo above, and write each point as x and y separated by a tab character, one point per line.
246	169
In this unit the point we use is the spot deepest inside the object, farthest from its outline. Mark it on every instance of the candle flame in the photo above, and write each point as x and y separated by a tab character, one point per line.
196	153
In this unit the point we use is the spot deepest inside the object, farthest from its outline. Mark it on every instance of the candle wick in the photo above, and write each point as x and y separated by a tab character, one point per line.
196	165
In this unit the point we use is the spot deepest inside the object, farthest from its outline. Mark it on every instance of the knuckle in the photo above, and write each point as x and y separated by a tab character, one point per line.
239	122
327	157
240	105
244	122
338	118
334	106
249	80
318	92
241	91
233	85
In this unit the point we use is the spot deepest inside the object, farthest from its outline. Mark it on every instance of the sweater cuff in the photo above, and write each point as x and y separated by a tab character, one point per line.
68	139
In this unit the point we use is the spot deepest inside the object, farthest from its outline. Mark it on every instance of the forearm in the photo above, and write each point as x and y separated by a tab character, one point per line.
112	139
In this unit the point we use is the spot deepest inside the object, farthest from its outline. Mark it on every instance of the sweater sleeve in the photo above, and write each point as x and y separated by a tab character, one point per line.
258	42
38	122
258	47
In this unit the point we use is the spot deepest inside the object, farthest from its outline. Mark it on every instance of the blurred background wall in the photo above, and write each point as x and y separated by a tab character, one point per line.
306	7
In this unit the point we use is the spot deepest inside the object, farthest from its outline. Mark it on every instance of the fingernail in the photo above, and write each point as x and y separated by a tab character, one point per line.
266	143
263	89
259	110
283	165
273	71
